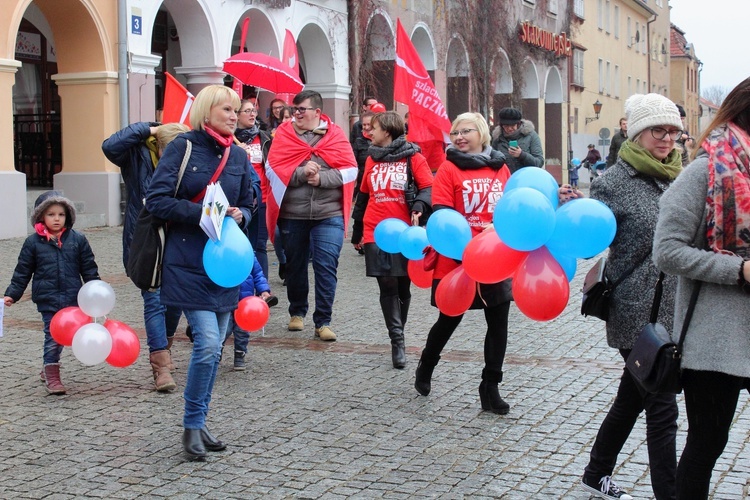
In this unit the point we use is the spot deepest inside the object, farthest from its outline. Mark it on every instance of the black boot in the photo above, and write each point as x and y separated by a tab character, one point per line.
391	306
423	382
405	310
489	395
210	442
192	442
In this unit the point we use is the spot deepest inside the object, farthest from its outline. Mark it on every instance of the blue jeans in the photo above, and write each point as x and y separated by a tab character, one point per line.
209	330
259	238
325	239
161	321
241	337
52	350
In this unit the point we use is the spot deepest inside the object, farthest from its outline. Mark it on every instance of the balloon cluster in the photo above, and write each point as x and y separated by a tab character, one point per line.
93	343
534	241
228	260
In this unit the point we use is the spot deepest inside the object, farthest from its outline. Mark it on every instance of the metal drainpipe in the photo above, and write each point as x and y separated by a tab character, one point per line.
122	57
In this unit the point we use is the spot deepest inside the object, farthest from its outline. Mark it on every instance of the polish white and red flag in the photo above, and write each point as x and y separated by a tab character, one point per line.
412	85
289	57
177	102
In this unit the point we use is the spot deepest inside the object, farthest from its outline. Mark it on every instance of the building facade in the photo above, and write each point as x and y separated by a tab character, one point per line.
685	77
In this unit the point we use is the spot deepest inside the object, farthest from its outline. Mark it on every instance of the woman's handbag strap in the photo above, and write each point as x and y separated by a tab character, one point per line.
689	315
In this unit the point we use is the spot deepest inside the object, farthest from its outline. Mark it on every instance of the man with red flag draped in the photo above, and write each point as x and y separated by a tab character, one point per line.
311	172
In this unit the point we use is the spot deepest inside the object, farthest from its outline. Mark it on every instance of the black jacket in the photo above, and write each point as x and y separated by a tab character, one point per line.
614	147
57	271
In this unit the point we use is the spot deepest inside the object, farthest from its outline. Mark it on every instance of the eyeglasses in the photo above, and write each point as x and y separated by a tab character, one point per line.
660	134
276	108
249	111
463	132
300	109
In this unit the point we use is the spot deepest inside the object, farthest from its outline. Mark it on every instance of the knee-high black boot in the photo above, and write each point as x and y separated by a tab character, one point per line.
405	310
391	306
489	395
423	376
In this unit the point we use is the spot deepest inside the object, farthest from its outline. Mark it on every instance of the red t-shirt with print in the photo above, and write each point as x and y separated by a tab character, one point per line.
472	193
385	182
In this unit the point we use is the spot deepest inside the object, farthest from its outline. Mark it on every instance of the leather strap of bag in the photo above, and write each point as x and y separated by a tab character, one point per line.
183	165
688	314
216	175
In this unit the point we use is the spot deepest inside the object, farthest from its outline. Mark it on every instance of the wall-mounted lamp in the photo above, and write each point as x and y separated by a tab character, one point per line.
597	110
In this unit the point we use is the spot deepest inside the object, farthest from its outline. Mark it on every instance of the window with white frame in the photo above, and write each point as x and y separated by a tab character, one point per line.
600	13
578	67
617	81
637	42
607	81
601	76
616	22
630	33
645	87
552	7
606	15
630	85
578	8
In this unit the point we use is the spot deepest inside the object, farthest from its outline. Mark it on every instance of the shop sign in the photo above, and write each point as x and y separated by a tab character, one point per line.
552	42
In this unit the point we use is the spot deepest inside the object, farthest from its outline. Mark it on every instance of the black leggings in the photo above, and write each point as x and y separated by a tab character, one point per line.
495	340
711	401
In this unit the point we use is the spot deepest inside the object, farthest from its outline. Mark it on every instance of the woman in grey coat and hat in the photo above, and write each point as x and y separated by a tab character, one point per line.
647	164
701	236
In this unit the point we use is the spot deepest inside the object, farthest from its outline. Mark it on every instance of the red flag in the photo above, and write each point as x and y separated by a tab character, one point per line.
177	102
236	84
412	85
289	58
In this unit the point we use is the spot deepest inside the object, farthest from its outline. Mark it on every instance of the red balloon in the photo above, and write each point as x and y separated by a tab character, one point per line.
252	313
125	344
540	287
66	322
486	259
455	292
417	274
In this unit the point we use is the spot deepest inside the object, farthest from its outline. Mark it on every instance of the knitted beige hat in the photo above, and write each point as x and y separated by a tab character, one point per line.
650	110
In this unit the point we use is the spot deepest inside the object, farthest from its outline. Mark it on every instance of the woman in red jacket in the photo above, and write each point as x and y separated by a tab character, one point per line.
471	181
393	162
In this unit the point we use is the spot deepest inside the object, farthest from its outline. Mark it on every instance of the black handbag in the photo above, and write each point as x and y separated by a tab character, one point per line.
654	362
597	288
146	253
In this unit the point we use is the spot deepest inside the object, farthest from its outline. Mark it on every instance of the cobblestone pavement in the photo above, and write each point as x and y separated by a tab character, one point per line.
325	420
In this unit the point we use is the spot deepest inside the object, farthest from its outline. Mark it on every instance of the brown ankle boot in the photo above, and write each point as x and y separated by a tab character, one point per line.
170	340
52	379
160	366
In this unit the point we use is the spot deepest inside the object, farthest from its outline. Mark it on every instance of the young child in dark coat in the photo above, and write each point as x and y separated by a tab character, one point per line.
60	259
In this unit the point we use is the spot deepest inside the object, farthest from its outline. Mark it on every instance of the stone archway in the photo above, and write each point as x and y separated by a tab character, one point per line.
380	60
530	92
553	115
502	74
457	73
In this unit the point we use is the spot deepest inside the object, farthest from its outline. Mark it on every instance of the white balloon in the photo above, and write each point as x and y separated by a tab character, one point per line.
96	298
92	343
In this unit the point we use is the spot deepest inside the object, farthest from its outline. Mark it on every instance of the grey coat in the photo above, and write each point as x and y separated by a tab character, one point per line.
532	154
719	335
634	200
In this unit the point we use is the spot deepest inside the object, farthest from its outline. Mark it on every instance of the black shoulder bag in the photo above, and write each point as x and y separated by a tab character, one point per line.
654	362
149	237
597	288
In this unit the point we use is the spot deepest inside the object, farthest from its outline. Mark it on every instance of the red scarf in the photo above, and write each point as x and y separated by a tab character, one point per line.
728	197
42	230
224	140
289	151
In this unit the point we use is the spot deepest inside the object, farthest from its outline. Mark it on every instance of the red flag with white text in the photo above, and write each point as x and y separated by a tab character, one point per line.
412	85
289	58
177	102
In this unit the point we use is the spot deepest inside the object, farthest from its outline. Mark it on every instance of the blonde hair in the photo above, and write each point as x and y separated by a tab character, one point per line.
167	132
208	98
479	122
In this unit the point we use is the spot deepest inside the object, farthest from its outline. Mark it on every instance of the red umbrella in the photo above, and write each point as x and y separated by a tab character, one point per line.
264	71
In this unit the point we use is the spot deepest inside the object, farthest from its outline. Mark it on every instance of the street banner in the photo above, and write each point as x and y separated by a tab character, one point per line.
236	84
177	102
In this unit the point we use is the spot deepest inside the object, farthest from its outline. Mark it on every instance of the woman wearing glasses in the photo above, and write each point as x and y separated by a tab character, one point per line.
393	161
275	114
647	164
471	162
257	143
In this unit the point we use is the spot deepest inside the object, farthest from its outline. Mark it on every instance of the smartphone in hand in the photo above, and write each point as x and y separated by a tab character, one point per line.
513	144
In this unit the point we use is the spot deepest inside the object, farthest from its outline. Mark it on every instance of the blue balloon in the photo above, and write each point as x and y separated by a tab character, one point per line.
524	219
575	162
568	264
535	178
387	233
584	228
412	242
448	233
228	262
